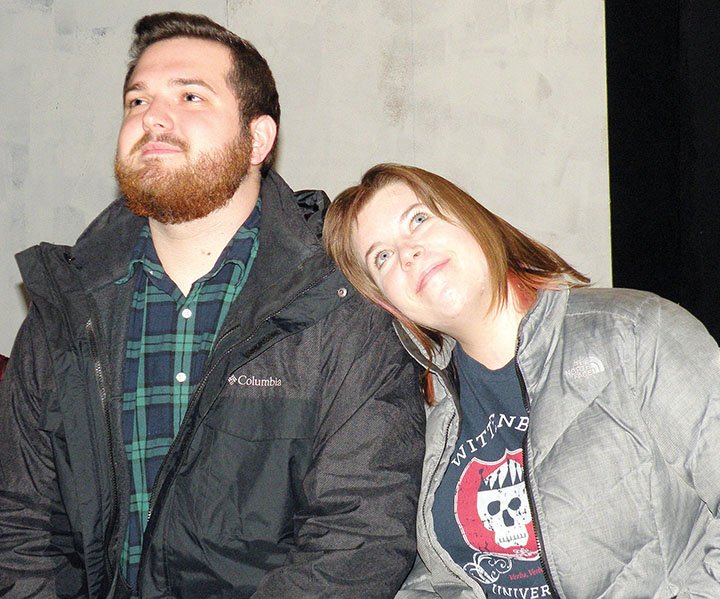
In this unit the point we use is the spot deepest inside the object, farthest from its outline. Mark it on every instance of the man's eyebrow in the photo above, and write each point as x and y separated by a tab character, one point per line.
192	81
137	86
179	82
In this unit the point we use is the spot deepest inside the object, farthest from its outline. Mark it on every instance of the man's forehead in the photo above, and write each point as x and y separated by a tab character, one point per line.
182	58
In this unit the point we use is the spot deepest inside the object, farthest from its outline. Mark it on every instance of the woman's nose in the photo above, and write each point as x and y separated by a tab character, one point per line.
409	254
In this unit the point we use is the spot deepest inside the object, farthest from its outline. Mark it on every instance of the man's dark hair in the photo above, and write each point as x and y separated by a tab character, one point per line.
250	76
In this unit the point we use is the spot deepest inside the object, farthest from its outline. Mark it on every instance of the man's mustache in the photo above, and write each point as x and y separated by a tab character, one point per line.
164	138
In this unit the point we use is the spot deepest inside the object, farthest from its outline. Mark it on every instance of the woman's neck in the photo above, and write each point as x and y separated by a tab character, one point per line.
491	339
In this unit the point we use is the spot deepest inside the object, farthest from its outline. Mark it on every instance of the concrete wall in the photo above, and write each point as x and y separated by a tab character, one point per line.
506	98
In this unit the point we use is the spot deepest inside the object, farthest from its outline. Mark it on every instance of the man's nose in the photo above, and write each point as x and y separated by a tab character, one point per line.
158	116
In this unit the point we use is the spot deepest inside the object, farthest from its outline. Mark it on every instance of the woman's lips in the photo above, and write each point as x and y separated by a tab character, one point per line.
428	274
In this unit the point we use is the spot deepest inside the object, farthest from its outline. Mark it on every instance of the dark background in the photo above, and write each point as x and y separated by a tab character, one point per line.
663	77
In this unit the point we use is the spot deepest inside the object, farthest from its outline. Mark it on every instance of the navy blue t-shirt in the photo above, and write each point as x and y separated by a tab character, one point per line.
481	510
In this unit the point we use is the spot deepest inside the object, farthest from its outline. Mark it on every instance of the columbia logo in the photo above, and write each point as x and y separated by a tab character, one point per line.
585	367
254	381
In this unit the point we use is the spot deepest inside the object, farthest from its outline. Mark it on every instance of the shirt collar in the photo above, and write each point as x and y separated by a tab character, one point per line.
236	251
238	248
143	253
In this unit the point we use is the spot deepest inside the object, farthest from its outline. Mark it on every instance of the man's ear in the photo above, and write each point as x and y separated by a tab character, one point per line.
263	131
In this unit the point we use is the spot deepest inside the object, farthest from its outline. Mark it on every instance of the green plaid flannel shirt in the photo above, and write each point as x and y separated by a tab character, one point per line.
169	338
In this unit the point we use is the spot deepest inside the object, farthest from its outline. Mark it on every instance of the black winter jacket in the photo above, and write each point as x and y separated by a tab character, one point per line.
297	468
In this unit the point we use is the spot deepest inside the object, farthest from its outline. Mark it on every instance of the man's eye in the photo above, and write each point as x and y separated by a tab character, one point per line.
381	257
192	98
134	102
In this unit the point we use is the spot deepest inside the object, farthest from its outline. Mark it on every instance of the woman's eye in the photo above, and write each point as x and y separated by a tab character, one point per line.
381	257
419	218
192	98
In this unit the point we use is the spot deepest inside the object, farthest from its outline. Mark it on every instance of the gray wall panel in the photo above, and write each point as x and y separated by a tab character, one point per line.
505	98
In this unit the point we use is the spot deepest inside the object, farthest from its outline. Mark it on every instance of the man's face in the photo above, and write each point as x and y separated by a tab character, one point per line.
181	152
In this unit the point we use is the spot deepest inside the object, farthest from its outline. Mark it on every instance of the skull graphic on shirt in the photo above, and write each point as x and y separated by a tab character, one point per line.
504	510
492	508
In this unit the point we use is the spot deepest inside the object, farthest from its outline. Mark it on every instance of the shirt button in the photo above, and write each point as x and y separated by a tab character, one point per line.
181	377
342	292
186	313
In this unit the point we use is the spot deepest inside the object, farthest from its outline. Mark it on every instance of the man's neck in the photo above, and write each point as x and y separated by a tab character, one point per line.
188	251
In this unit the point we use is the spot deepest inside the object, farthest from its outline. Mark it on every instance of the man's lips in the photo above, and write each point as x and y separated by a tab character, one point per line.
159	147
162	144
426	275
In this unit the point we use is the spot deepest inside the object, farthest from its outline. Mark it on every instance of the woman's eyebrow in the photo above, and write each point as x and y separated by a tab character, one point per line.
406	213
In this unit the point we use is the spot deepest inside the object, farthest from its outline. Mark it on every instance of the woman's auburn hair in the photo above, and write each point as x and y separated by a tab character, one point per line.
513	258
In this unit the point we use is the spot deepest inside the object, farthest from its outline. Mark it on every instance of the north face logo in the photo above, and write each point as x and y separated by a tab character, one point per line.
583	368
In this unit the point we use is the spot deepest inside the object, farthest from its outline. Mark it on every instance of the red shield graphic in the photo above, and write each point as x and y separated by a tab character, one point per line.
492	509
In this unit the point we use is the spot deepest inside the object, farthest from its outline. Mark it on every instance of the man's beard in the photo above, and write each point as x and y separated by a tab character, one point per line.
179	195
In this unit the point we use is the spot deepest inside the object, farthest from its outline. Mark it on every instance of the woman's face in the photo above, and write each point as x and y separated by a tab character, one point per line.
431	270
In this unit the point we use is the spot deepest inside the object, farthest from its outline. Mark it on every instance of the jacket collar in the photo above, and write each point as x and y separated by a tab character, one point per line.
539	334
548	310
289	230
289	255
290	227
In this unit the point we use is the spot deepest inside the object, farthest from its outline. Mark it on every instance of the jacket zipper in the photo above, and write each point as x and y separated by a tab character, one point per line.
102	390
425	500
100	379
203	382
429	533
531	500
195	398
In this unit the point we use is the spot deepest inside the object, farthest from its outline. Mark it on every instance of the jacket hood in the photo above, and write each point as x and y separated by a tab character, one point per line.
102	253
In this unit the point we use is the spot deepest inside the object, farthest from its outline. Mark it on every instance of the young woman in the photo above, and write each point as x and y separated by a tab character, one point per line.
573	434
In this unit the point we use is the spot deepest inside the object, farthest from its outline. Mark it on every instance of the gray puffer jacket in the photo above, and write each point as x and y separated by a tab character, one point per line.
622	455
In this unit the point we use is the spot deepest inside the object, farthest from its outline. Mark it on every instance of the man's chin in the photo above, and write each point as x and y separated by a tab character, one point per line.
181	192
172	210
157	168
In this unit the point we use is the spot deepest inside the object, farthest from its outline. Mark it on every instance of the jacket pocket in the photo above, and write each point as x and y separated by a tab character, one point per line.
262	417
243	480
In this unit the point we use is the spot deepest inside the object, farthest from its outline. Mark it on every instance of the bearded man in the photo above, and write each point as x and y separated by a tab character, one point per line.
198	404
